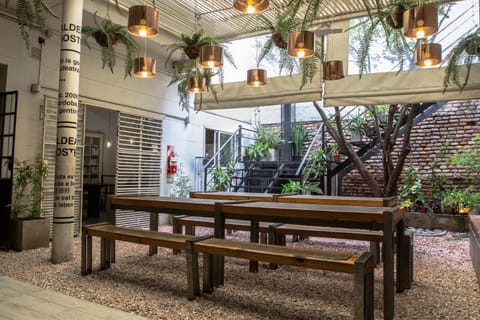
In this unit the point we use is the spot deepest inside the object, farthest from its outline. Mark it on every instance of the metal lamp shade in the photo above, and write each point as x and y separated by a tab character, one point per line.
143	21
196	84
301	44
144	67
250	6
428	54
211	56
420	22
333	70
257	77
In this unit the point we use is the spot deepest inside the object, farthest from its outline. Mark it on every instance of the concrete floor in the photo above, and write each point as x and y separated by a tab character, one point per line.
23	301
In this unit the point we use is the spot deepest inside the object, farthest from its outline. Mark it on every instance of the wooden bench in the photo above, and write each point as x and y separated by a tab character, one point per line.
361	266
279	232
190	222
108	232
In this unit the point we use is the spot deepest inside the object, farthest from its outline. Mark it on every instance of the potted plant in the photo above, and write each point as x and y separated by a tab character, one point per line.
30	13
181	186
356	128
221	179
292	187
299	134
317	165
30	229
107	34
270	139
466	51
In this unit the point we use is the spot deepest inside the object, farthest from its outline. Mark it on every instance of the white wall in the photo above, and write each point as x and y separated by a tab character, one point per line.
99	87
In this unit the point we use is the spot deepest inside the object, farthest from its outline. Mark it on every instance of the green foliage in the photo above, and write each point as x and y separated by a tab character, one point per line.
299	134
411	187
30	13
107	34
257	151
181	186
28	188
437	181
465	52
292	187
317	165
269	137
221	179
469	158
356	124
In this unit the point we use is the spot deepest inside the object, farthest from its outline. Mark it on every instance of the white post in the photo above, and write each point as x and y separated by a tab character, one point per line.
63	214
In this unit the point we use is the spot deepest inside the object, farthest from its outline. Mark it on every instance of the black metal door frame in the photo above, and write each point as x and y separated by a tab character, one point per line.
8	114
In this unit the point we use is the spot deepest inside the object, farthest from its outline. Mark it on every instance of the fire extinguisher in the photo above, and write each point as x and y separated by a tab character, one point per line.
171	164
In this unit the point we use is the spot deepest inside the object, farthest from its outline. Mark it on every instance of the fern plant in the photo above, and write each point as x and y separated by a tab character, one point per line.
107	34
30	13
466	51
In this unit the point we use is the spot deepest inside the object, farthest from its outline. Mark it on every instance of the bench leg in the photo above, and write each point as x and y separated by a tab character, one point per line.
363	287
86	254
207	273
193	284
152	250
254	230
407	261
272	239
176	228
104	254
190	230
375	250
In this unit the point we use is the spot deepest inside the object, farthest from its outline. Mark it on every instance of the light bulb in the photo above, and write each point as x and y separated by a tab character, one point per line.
427	62
250	9
420	33
301	53
142	32
211	64
256	83
144	74
109	144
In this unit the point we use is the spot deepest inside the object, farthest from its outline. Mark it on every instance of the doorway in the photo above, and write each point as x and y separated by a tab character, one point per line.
220	145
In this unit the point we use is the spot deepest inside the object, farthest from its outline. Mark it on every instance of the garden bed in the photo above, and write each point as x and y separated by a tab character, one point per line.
452	222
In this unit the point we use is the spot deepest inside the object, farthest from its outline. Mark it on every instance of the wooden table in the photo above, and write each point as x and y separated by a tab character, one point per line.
387	219
344	200
220	195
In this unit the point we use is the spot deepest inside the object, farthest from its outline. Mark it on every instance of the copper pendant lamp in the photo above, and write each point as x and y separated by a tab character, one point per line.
211	56
420	22
257	77
196	84
143	21
428	54
144	67
301	44
250	6
333	70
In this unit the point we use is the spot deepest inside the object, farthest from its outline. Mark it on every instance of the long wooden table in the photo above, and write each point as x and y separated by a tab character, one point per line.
221	195
387	219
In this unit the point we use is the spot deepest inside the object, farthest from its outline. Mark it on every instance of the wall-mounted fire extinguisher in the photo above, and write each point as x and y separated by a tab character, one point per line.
171	164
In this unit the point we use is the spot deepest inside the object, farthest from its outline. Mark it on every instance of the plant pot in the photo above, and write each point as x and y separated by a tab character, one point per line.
273	155
278	40
356	137
395	20
29	233
192	51
101	39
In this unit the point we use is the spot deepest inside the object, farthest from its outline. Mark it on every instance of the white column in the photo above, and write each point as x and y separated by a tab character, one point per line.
63	214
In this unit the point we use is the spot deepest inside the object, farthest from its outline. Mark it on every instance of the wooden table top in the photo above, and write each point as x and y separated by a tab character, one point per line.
335	200
155	203
307	211
235	195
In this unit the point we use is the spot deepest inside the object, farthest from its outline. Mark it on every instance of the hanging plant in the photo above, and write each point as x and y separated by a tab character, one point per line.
466	51
30	13
107	34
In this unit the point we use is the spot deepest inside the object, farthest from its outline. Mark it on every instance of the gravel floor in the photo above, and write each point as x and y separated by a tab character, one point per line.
445	285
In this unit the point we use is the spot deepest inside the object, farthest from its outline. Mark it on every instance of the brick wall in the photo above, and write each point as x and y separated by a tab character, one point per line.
454	125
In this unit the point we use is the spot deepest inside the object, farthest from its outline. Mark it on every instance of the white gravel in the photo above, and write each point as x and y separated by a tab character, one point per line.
445	285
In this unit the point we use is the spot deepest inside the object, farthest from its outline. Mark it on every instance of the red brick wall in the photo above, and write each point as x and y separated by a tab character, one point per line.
457	122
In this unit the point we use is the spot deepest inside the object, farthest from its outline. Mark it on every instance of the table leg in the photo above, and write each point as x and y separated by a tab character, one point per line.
218	262
154	227
111	218
388	267
402	273
254	230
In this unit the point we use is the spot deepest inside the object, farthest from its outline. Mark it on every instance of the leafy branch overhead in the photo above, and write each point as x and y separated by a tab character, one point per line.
107	34
31	13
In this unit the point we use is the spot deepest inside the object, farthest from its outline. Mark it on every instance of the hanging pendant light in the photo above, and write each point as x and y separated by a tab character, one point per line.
428	54
257	77
143	21
144	67
211	56
301	44
332	70
420	22
196	84
250	6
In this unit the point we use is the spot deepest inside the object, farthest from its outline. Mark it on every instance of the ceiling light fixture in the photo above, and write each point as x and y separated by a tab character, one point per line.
428	54
144	67
250	6
257	77
143	21
301	44
420	22
211	56
333	70
196	84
